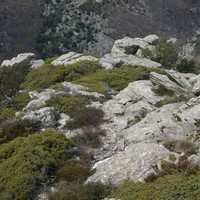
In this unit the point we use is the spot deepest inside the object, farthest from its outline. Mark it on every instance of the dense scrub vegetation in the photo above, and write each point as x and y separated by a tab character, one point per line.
27	162
10	80
48	75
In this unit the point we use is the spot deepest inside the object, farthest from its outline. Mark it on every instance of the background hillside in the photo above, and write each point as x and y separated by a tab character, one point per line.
52	27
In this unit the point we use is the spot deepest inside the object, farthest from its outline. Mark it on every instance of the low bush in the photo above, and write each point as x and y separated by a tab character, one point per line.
6	113
10	80
48	74
90	191
188	66
73	171
86	117
12	129
68	105
117	78
164	53
26	162
21	100
90	137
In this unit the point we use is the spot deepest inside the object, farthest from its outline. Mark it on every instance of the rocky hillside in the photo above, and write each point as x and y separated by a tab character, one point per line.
53	27
83	127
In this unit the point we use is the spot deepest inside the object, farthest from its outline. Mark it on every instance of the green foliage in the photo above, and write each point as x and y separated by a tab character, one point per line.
26	162
6	113
71	171
175	181
68	105
10	80
117	78
164	53
188	66
90	137
90	191
12	129
86	117
48	74
21	100
161	91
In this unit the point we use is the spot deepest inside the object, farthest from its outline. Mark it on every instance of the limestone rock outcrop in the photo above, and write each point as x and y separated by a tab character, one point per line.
24	57
71	58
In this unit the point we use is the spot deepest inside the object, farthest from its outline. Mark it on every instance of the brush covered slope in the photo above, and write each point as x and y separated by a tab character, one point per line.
124	125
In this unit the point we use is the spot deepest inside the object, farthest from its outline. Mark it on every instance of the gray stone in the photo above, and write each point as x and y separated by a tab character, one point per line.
129	45
136	61
24	57
110	61
150	38
180	78
39	99
71	58
134	163
48	116
80	90
36	63
164	81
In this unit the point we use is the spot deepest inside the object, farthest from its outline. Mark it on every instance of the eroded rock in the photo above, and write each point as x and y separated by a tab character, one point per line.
71	58
24	57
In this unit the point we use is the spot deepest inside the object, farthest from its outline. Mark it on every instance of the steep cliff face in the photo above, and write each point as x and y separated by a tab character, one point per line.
52	27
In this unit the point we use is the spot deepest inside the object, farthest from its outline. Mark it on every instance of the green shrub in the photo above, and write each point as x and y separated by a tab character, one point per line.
86	117
27	162
117	78
164	53
68	105
90	191
72	171
21	100
48	74
16	128
90	137
10	80
188	66
6	113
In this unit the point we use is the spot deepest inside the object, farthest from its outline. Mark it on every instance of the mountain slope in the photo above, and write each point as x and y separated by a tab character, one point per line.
55	27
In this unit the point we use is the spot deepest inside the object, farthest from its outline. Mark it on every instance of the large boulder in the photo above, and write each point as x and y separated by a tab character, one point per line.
134	163
110	61
71	58
24	57
132	45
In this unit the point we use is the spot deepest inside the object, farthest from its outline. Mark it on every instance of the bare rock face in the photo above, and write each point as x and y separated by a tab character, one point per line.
134	163
25	57
71	58
110	61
